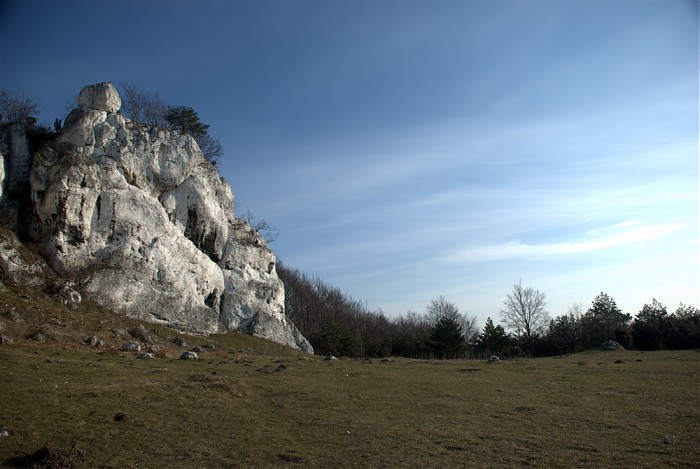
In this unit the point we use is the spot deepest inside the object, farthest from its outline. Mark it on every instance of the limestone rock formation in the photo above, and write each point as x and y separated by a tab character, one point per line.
145	224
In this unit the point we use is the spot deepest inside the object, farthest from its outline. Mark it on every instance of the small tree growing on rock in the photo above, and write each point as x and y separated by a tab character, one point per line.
142	107
17	108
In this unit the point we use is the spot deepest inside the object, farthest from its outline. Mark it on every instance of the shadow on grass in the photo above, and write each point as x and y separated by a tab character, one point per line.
50	456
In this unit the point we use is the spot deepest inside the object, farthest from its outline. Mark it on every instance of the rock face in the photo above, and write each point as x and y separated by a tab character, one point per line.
146	226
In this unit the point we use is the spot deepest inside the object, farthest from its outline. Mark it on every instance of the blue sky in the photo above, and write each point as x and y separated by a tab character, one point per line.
411	149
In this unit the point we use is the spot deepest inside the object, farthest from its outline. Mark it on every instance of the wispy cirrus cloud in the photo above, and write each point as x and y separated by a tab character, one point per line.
611	237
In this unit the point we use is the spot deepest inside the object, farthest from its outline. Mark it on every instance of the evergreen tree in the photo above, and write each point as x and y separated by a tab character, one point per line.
651	326
446	339
605	321
493	340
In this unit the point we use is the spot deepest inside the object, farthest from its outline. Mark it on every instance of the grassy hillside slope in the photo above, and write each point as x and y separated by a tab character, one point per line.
251	403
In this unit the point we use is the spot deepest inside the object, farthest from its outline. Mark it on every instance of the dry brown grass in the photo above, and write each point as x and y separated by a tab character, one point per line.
251	403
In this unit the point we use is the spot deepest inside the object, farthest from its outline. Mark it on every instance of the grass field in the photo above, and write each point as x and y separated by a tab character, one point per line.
251	403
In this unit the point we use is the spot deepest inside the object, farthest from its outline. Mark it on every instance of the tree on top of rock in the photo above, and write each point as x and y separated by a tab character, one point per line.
185	119
142	107
16	108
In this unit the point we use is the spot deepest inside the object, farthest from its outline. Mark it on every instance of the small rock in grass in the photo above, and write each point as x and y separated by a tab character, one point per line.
4	339
94	341
188	356
131	347
13	315
4	431
330	357
146	355
180	341
670	439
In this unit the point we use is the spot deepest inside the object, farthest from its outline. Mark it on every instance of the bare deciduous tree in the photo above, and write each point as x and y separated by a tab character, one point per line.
17	108
141	107
524	311
440	308
268	232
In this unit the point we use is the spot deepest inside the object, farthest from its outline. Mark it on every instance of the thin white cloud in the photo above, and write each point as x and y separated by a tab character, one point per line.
516	249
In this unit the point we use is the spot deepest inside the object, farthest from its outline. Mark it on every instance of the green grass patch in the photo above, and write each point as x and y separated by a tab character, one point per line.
251	403
243	409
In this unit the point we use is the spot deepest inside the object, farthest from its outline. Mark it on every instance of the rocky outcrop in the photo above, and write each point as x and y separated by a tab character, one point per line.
146	225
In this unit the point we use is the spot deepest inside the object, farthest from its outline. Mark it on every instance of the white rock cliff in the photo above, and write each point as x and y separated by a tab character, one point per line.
146	225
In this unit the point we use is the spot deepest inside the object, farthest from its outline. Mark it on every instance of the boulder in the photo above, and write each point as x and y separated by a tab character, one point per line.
94	341
17	265
611	345
131	346
188	356
100	96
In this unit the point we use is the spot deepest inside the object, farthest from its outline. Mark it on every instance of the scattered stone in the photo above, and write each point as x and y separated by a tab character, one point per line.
197	349
180	341
94	341
246	350
13	315
6	340
66	293
2	326
146	355
131	346
281	368
670	439
142	334
209	346
611	345
4	431
16	265
39	335
154	348
330	358
493	359
188	356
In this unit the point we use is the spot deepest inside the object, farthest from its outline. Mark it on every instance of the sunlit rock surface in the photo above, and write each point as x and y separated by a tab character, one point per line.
146	224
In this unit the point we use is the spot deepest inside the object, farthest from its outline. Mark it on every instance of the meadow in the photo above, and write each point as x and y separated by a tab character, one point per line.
247	402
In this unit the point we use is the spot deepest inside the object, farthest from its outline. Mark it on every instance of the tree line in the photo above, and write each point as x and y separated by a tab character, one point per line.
336	324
